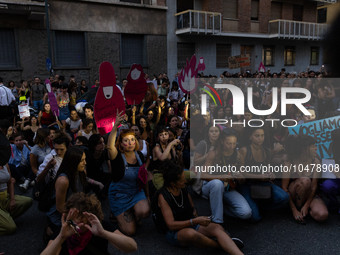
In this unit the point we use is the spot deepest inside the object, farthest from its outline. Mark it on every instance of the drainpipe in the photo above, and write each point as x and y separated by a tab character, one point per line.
48	34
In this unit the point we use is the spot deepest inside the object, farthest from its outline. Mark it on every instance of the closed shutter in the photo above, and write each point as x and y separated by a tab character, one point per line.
7	48
276	11
184	51
132	49
70	48
230	9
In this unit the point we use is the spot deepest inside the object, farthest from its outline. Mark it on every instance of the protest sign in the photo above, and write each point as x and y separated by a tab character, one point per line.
321	130
51	98
201	65
187	78
108	99
23	110
136	86
239	61
261	68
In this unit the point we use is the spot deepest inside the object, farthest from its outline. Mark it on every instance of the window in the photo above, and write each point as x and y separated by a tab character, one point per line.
268	55
297	12
230	9
254	9
223	52
276	11
184	51
133	49
8	50
70	48
314	56
322	15
289	56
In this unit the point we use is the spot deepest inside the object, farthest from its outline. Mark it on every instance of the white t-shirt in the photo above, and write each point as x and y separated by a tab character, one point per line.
6	96
73	124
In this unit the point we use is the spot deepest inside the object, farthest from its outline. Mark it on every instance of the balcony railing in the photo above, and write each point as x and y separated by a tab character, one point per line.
288	29
193	21
327	1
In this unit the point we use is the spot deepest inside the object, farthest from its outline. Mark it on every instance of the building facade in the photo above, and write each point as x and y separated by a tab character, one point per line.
83	34
280	34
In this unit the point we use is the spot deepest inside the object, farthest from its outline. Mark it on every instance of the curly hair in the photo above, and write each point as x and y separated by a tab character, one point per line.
171	172
84	203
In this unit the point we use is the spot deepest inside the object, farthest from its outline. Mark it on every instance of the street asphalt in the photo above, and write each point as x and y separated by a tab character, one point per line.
277	233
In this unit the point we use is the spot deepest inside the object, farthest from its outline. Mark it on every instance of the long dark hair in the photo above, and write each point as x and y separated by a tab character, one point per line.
297	144
93	141
69	167
148	128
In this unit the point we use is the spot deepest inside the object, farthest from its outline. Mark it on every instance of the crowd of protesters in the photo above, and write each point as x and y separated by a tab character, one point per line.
145	164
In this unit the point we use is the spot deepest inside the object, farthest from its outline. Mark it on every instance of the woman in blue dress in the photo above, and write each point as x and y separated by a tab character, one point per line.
129	198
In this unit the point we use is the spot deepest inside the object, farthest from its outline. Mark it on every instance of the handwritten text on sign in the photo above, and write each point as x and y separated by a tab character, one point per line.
321	130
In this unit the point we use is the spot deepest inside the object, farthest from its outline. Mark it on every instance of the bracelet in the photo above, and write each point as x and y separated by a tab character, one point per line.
191	222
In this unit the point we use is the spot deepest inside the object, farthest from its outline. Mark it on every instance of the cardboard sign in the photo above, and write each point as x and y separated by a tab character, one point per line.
187	78
136	86
108	99
321	130
23	110
239	61
51	98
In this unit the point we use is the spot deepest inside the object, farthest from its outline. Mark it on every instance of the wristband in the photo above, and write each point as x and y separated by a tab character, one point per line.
191	222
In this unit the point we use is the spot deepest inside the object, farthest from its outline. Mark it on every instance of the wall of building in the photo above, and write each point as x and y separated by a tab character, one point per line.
103	24
205	46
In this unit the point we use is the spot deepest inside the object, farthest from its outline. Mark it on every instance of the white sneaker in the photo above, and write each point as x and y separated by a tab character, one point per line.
32	183
23	187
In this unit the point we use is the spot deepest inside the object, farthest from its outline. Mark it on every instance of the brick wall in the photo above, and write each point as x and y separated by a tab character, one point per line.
287	11
309	11
161	2
212	6
264	15
244	13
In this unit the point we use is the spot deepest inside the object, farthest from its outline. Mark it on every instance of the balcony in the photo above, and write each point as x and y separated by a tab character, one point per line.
326	1
288	29
196	22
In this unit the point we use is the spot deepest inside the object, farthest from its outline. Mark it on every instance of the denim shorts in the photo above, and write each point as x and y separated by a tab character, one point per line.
171	236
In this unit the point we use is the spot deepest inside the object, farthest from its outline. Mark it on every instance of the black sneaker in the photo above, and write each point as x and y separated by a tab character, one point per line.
239	243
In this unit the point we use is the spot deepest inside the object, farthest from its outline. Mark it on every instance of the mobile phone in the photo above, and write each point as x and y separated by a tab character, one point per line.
211	217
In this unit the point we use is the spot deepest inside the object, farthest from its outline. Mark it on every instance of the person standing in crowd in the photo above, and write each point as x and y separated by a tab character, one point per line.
24	92
13	88
127	195
38	91
302	186
63	100
83	88
11	206
6	98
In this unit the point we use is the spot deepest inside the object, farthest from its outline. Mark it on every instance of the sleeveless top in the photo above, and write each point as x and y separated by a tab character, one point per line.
86	135
250	161
64	102
46	118
158	162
